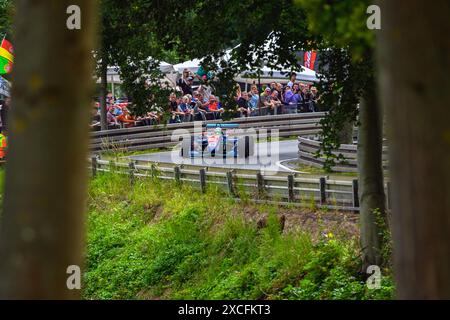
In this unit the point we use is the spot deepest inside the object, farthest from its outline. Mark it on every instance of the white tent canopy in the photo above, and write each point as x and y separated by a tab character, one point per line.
166	68
267	74
191	65
250	76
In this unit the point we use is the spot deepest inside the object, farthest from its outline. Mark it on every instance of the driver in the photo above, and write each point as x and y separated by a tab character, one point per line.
218	131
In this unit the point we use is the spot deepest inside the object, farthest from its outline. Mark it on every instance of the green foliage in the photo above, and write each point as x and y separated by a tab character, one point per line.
346	65
127	40
330	274
159	240
340	23
6	15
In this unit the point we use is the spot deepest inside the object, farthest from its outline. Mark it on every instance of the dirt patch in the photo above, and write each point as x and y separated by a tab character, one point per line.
343	225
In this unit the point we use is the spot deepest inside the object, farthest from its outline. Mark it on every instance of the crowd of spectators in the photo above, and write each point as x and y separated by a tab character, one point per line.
294	97
188	103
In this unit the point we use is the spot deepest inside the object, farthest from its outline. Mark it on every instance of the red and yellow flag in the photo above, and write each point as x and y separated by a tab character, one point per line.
6	56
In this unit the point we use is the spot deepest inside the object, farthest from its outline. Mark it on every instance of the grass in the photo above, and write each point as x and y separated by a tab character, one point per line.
321	171
157	240
118	155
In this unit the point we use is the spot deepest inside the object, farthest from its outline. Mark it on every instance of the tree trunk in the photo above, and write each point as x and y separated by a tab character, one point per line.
41	228
371	190
417	101
346	134
103	94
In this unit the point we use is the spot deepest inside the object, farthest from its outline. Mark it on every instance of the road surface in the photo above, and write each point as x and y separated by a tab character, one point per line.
280	151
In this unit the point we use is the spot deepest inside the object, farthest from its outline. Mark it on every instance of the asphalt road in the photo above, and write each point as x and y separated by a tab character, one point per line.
265	161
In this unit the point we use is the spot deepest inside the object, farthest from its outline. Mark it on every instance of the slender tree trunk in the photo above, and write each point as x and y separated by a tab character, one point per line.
103	94
41	227
371	190
414	51
346	134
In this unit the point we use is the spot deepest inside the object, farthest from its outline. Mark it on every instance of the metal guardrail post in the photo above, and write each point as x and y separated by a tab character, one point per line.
132	168
230	182
355	191
203	180
323	193
94	165
290	183
260	183
177	174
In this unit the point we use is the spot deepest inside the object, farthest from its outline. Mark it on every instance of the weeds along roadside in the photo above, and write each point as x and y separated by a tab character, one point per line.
157	239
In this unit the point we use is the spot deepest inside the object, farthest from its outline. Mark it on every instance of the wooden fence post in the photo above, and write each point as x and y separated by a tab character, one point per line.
260	183
230	182
132	167
203	180
290	182
323	193
177	174
355	191
94	165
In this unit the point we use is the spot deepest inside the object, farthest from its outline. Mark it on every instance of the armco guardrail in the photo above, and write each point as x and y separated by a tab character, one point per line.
282	189
160	136
308	150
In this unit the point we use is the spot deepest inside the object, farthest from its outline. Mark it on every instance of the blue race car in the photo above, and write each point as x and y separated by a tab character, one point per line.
216	142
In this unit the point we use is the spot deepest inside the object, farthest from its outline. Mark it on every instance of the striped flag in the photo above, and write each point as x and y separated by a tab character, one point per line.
6	56
310	59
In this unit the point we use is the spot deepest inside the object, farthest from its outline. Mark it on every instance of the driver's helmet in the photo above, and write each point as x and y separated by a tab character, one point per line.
218	131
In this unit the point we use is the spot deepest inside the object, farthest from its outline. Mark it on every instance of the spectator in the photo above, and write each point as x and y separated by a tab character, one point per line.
314	99
307	102
173	109
152	117
243	108
238	92
266	98
292	79
198	108
275	103
185	109
95	115
126	119
254	100
185	83
111	118
4	113
214	107
109	100
273	86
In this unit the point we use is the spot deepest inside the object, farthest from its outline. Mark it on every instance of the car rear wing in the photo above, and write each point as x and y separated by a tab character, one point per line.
222	125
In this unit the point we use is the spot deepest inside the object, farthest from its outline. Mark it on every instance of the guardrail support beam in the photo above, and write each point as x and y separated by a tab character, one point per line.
132	167
323	193
94	165
290	183
260	183
230	182
355	191
203	180
177	174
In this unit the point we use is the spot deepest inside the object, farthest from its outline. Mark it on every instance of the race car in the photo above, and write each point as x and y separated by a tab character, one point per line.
218	141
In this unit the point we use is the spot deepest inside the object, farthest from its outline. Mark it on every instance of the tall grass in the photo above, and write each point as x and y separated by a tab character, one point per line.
158	240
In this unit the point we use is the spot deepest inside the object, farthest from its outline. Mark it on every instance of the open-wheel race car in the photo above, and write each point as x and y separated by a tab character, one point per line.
218	140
